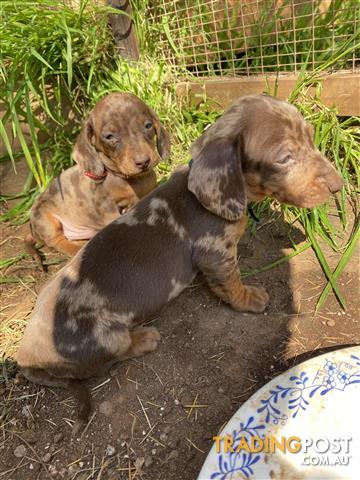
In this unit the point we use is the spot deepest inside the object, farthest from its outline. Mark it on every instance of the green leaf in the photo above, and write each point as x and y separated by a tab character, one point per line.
39	57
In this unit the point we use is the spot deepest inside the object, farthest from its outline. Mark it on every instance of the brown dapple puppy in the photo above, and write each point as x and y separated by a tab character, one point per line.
86	318
115	155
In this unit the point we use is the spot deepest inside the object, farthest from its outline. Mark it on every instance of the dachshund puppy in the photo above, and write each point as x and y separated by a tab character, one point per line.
87	317
115	154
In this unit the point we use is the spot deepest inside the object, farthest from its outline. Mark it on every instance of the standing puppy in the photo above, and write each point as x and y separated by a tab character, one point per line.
84	319
115	155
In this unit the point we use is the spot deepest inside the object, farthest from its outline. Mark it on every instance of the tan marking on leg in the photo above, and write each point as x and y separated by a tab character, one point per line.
69	247
218	263
143	340
241	297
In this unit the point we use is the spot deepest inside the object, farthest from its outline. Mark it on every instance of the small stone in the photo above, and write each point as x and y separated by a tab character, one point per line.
20	451
29	436
148	461
81	464
172	455
36	468
53	470
110	451
163	437
47	457
27	411
106	408
331	322
173	444
220	390
58	437
63	472
82	476
176	401
139	463
74	469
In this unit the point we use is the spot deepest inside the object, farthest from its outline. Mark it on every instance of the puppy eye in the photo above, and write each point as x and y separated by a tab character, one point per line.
285	159
109	136
148	125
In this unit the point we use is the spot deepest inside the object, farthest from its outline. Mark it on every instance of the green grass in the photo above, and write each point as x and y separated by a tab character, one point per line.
55	59
50	54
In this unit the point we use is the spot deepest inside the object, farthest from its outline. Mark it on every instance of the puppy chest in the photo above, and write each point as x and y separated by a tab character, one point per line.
75	231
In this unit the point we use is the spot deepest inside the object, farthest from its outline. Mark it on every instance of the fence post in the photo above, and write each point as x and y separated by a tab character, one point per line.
123	30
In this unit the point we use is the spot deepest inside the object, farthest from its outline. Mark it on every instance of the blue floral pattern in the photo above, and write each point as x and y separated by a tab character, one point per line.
332	376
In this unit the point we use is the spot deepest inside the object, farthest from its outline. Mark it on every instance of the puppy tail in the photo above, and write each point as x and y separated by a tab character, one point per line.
30	248
83	399
76	388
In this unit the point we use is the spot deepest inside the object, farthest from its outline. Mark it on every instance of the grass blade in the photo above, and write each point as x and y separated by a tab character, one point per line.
6	141
39	57
346	257
322	260
278	262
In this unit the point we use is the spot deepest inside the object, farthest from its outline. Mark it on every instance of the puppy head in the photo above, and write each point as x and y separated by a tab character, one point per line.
119	136
272	147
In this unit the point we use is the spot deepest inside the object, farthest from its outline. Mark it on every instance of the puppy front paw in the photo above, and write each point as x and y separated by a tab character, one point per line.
253	299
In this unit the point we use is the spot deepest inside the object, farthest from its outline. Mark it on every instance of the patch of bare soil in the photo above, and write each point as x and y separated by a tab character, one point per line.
154	417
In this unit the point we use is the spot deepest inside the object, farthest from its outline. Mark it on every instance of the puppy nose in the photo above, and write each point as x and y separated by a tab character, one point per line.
335	184
143	162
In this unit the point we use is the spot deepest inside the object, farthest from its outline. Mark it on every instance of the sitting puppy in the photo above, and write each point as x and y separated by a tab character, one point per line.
84	318
115	154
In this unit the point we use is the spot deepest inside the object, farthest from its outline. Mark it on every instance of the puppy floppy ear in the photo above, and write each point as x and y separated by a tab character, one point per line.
84	152
216	178
162	137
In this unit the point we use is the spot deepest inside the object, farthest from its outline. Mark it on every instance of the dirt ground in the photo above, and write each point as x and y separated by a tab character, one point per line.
154	417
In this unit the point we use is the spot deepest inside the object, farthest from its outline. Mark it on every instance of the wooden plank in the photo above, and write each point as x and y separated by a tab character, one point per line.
124	30
341	90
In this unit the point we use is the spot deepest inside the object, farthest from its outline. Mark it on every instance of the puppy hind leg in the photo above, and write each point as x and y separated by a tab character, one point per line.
69	247
128	344
143	340
54	237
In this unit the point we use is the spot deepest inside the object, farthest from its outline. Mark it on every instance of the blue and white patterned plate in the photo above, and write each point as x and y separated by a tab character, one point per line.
318	403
